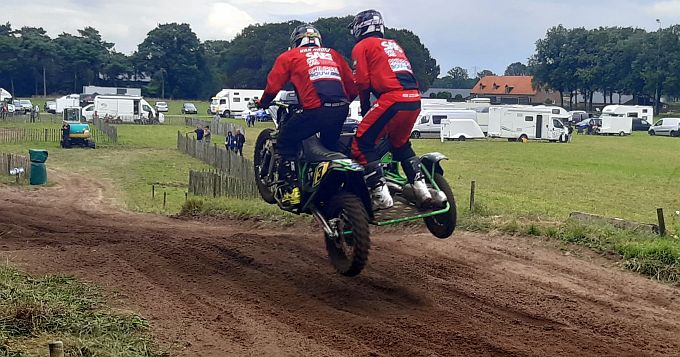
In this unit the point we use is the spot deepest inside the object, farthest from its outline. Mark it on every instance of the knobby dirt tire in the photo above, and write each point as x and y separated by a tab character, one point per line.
265	191
443	225
356	217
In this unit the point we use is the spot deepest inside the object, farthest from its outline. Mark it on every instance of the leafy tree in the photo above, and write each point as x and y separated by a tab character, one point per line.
517	69
458	73
174	56
485	73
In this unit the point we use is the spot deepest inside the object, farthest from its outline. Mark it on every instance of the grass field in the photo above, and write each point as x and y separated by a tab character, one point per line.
625	177
36	310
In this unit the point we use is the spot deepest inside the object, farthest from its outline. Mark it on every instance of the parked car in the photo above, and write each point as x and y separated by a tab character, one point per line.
666	126
640	125
23	106
262	115
50	107
11	108
189	108
350	125
577	116
162	107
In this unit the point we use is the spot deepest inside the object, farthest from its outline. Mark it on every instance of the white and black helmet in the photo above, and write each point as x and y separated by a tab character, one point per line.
367	22
305	35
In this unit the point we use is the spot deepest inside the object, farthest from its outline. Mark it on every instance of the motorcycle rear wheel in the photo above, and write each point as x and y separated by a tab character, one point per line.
349	251
261	162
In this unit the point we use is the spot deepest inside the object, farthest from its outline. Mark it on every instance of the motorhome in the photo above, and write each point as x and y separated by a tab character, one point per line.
479	105
460	129
618	119
67	101
229	102
123	109
429	123
519	122
5	96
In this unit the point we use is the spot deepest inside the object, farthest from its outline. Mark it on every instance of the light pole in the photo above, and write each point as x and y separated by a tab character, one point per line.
658	69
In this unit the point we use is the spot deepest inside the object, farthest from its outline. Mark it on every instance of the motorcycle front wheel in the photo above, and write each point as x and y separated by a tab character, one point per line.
261	162
349	251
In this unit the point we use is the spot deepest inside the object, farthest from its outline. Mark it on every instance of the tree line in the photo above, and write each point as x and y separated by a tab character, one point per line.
620	60
611	60
175	62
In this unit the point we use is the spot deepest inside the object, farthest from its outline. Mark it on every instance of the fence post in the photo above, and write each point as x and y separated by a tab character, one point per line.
165	198
153	191
662	222
472	195
56	349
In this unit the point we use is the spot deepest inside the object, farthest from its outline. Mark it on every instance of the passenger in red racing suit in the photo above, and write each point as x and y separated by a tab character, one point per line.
382	68
324	85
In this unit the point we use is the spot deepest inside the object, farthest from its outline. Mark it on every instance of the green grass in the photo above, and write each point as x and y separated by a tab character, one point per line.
625	177
254	210
36	310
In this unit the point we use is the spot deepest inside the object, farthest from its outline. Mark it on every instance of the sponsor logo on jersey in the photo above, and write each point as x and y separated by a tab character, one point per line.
392	49
324	72
400	65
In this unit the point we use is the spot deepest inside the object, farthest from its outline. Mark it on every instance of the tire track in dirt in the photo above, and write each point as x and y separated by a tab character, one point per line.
226	288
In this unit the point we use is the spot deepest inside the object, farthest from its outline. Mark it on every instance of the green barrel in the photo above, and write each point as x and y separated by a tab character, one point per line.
38	168
38	173
37	155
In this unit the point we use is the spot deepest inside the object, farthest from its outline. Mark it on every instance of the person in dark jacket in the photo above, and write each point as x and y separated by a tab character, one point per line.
240	141
230	141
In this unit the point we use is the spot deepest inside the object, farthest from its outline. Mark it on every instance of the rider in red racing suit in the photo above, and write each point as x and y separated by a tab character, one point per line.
324	85
382	68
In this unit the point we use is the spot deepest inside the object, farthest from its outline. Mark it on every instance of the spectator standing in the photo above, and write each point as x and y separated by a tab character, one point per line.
199	133
206	134
230	141
240	140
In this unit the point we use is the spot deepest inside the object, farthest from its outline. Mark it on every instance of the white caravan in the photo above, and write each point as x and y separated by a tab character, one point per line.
429	123
5	96
228	102
618	119
479	106
67	101
461	130
122	109
518	122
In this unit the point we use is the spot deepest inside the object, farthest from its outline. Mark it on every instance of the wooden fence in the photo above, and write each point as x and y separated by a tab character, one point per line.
215	184
234	176
12	161
110	130
217	156
216	126
50	135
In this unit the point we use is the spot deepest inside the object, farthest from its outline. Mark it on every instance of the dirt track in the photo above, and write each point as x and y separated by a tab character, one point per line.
221	289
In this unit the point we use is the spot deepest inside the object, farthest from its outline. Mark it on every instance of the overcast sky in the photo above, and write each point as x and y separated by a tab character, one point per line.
472	34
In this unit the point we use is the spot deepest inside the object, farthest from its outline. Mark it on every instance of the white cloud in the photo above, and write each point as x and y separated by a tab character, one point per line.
669	8
226	20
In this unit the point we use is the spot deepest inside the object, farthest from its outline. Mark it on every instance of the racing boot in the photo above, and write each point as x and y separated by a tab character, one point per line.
288	188
380	193
417	191
381	197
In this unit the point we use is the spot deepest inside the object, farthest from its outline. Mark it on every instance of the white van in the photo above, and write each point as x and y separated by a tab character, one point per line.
518	122
122	109
429	123
67	101
229	102
461	130
618	119
666	126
